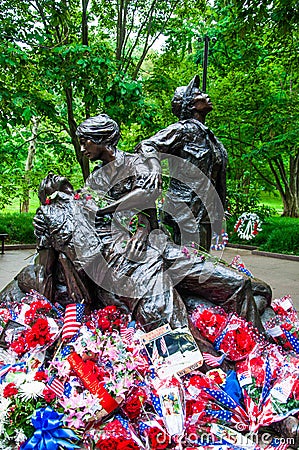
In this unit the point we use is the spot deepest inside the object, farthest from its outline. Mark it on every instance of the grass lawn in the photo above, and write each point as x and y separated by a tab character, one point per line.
274	201
15	205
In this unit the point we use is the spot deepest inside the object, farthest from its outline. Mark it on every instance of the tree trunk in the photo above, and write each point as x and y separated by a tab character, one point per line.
290	206
287	186
29	165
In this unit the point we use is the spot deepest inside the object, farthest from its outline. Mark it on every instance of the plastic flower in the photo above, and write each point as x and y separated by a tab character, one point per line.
63	367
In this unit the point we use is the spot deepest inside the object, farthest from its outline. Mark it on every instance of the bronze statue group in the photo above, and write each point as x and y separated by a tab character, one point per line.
106	244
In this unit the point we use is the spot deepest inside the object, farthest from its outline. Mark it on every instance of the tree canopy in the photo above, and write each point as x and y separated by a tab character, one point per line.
65	60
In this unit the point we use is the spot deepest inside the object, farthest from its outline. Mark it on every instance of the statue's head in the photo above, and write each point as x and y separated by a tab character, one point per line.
188	100
51	184
100	129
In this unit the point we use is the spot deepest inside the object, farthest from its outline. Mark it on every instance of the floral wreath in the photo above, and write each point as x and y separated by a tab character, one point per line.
248	226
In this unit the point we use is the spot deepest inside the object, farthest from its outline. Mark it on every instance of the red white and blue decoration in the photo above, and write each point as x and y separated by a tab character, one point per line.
248	226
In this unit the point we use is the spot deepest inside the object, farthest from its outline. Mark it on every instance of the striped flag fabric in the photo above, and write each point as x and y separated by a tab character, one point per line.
292	340
267	383
127	331
213	361
155	354
56	386
163	346
72	320
278	444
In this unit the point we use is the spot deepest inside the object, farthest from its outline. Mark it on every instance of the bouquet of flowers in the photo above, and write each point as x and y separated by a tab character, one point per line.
268	379
208	403
284	331
209	321
32	326
97	369
22	392
116	435
237	339
284	307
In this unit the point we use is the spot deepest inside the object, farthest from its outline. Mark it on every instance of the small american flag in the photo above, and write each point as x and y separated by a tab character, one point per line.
155	354
163	346
127	331
56	386
213	361
292	340
72	320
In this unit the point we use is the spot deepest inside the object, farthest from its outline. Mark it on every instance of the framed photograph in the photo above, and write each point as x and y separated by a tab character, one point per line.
172	351
9	332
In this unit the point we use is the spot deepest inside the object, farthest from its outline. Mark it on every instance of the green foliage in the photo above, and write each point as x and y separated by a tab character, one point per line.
283	239
249	200
19	228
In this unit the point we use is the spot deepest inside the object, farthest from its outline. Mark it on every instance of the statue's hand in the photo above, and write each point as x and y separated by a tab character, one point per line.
136	246
39	225
153	181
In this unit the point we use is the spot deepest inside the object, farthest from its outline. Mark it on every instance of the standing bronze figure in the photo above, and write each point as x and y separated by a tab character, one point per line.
191	141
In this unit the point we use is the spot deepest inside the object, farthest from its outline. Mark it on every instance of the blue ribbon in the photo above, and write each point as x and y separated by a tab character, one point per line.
49	435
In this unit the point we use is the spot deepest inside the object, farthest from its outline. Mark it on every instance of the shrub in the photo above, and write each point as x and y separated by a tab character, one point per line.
283	239
19	228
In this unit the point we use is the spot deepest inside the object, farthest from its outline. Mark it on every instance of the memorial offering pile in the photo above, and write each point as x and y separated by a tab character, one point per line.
73	380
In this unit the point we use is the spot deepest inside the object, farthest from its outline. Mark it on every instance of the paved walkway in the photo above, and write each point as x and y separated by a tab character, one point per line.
281	274
11	263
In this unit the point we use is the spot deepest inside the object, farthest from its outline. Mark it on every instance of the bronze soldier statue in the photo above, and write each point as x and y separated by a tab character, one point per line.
192	142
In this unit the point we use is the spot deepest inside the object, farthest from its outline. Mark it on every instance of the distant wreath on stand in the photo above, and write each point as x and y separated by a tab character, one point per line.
248	226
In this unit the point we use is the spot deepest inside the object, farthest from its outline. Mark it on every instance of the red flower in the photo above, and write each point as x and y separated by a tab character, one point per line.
39	333
107	444
215	376
104	324
257	371
134	403
244	342
127	445
19	346
41	376
49	395
48	201
157	438
10	390
77	196
37	307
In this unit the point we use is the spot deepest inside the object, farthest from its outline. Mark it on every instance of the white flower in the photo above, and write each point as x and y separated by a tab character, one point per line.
31	389
20	436
4	404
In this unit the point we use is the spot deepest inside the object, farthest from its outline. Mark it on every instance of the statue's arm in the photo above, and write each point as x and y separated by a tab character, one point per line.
165	141
145	190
